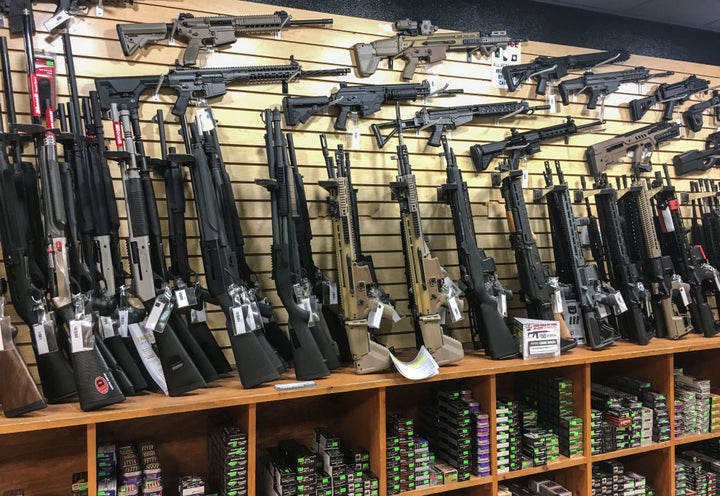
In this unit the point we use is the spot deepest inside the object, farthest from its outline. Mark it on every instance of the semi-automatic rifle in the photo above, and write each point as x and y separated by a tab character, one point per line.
596	298
440	120
669	94
364	99
693	116
699	160
486	296
429	286
641	142
541	293
66	9
206	32
544	69
689	261
204	83
633	324
293	286
602	84
366	307
519	145
669	319
418	42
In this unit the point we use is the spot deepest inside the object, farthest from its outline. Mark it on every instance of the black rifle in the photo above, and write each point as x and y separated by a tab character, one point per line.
689	261
485	294
699	160
601	85
181	374
186	283
541	293
666	287
429	287
669	94
365	100
365	305
543	69
693	116
595	298
524	144
440	120
641	142
293	286
25	279
634	323
325	329
208	32
66	9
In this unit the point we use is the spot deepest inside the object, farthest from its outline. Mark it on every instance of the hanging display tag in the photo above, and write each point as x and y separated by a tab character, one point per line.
108	330
204	119
81	335
354	131
307	305
123	322
666	222
443	315
455	312
330	293
197	316
620	304
551	99
184	296
160	312
502	304
143	340
238	320
6	331
375	316
253	319
525	179
41	341
684	296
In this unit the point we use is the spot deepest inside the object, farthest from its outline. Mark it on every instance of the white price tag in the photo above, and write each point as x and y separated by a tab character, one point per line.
502	305
40	339
603	311
204	119
238	321
123	322
154	317
278	35
716	275
455	312
81	338
355	138
666	220
557	302
198	315
684	296
621	305
107	326
375	316
443	315
551	100
99	9
395	316
525	178
181	298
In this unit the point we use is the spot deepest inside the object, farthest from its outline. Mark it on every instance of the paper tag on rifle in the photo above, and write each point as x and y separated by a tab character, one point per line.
525	178
620	303
106	324
253	319
684	296
551	100
81	335
396	316
185	297
456	314
716	275
238	320
204	119
45	339
6	340
143	340
354	131
502	304
666	222
123	322
99	9
198	315
557	302
306	303
159	314
330	293
443	315
603	311
375	316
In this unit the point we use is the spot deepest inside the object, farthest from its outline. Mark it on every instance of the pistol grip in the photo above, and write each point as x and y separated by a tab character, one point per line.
191	52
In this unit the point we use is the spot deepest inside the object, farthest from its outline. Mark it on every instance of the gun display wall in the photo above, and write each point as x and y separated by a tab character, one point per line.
193	206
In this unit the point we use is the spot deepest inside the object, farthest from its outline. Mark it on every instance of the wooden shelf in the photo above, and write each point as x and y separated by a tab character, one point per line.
472	482
560	463
693	438
631	451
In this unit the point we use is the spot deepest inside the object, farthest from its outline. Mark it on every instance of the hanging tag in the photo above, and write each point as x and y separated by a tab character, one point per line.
160	313
375	316
253	316
354	131
603	311
278	35
455	312
551	99
310	304
198	315
330	293
557	302
443	314
40	339
666	222
107	327
81	335
620	304
181	298
396	316
684	296
716	275
123	322
143	340
502	304
99	9
6	340
238	320
525	179
204	119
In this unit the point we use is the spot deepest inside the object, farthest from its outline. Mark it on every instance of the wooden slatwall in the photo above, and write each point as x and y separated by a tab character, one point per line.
98	54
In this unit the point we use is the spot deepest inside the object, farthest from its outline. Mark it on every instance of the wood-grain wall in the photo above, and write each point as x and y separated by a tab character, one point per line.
98	54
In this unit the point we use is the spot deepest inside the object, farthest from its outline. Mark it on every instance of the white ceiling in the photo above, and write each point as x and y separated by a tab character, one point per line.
699	14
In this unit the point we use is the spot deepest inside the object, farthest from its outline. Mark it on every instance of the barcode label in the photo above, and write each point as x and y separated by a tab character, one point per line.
40	339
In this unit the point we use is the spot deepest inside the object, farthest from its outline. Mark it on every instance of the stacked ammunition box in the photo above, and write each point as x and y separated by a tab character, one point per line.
289	469
610	478
403	428
423	463
536	486
509	440
654	400
681	487
480	459
228	457
700	470
596	432
453	434
693	404
106	469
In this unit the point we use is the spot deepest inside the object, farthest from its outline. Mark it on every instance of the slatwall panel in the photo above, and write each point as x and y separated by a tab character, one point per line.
98	53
